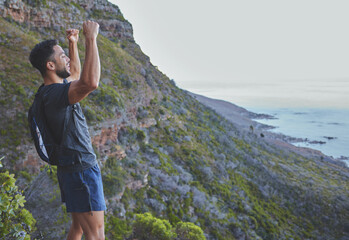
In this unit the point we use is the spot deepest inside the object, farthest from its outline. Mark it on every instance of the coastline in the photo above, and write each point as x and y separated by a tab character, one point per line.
248	121
321	129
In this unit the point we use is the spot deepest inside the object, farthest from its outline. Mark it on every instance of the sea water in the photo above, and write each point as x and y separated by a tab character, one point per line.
326	130
316	110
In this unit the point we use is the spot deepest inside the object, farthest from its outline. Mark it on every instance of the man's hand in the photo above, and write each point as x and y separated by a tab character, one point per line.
73	35
90	29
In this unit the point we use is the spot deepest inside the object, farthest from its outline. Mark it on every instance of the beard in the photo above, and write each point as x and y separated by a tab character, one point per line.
62	73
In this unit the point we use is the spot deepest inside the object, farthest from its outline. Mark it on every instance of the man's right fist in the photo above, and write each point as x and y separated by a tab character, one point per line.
90	29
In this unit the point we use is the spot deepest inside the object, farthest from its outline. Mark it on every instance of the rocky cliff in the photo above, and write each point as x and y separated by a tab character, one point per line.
161	151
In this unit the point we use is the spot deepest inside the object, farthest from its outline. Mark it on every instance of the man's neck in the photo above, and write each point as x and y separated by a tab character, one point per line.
51	79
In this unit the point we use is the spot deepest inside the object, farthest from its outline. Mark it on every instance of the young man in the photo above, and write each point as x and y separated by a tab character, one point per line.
79	177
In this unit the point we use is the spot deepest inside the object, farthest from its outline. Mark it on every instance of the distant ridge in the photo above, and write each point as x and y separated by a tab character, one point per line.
237	115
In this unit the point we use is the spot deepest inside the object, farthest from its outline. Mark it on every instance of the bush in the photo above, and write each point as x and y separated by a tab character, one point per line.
113	177
140	135
189	231
147	227
116	228
16	222
112	184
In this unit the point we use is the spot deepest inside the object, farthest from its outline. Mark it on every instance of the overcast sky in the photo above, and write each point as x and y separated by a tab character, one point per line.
234	50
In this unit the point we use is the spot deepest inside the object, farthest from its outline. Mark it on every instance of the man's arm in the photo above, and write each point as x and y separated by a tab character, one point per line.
91	71
75	66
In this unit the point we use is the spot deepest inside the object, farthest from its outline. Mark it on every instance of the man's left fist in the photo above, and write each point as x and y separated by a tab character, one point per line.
73	35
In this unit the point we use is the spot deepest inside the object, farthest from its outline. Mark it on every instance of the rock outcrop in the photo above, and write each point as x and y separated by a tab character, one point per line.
54	15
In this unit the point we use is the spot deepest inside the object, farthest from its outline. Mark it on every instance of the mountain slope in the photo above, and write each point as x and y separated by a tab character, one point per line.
160	149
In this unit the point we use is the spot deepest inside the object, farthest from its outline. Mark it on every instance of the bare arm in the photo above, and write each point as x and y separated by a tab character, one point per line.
91	71
75	66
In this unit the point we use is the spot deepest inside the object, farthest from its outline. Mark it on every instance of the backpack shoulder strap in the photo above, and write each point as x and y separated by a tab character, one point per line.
68	116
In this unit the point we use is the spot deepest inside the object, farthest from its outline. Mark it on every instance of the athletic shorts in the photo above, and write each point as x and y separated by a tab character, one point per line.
82	191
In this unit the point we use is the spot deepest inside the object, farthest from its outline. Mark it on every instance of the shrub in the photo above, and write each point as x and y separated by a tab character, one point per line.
116	228
189	231
16	222
140	135
113	184
147	227
113	177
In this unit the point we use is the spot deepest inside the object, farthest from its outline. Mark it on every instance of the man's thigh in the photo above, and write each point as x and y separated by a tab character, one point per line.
91	224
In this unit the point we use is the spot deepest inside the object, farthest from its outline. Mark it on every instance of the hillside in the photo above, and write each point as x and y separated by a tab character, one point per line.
160	150
237	115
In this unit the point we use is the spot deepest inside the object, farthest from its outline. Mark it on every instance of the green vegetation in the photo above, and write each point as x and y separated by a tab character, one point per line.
116	228
189	231
113	177
16	222
147	227
101	14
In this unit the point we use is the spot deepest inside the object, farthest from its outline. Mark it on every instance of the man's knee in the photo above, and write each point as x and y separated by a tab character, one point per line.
101	237
98	236
92	225
96	232
77	231
100	232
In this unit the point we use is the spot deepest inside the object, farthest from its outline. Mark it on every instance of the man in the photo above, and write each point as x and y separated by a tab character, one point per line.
79	179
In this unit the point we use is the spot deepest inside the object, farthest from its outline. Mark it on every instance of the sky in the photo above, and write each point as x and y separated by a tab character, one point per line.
271	53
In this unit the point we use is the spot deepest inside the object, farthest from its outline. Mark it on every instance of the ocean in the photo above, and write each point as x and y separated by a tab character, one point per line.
326	130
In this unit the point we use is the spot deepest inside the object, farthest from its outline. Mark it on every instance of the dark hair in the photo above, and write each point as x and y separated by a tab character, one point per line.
41	54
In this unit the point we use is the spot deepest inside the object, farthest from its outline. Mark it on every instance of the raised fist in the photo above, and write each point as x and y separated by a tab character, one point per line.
90	29
72	35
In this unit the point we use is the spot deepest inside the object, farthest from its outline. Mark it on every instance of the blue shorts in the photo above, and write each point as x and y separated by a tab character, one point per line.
82	191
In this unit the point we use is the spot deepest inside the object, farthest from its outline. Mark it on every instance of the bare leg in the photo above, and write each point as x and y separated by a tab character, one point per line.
75	232
92	225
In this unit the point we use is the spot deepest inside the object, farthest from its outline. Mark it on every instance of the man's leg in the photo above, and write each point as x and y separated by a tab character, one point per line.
92	225
75	232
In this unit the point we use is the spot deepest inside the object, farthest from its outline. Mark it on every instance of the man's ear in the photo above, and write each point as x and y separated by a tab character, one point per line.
50	66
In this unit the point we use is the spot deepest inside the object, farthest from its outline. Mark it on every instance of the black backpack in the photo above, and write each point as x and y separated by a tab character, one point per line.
47	148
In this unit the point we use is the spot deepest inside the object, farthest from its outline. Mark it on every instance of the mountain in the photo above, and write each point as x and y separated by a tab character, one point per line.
160	149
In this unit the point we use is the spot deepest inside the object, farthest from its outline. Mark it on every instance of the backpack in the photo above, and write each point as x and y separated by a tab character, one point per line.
45	145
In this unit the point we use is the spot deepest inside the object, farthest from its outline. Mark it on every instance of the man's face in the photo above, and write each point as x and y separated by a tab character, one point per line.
62	62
